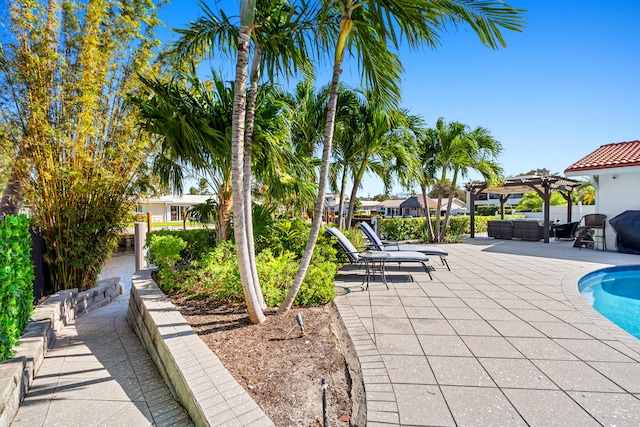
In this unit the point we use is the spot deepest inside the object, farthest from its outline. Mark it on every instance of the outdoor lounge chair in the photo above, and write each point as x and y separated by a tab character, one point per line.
395	246
399	257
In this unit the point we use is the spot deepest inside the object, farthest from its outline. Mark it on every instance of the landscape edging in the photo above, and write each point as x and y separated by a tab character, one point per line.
191	370
17	374
347	348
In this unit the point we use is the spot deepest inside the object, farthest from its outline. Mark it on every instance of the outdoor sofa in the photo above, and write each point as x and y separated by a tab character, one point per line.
515	229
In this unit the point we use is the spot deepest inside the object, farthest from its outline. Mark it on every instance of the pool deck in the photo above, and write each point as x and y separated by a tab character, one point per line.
504	338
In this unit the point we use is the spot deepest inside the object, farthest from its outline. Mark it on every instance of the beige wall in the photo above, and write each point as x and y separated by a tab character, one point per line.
158	211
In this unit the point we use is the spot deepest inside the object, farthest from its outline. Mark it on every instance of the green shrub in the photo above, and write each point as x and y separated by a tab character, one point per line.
487	210
16	281
277	275
356	236
198	241
216	275
403	229
284	235
317	287
458	226
164	251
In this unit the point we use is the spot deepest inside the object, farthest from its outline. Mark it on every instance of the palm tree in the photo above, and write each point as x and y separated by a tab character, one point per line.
279	47
451	145
371	29
193	124
386	143
283	175
463	150
347	146
423	170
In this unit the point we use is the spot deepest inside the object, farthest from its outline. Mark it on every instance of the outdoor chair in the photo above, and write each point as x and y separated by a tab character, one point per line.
595	225
399	257
390	246
564	231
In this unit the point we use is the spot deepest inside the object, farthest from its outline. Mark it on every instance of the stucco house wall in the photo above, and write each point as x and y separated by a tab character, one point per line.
618	190
614	171
160	208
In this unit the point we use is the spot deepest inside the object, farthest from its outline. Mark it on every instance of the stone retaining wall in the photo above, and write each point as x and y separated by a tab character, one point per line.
16	375
194	374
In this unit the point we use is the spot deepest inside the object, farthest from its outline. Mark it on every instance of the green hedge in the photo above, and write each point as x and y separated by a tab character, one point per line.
415	228
198	241
16	281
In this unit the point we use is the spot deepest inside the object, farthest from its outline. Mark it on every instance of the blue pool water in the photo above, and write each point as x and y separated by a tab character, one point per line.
615	293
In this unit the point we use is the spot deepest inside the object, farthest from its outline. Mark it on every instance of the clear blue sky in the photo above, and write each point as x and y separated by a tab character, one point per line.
569	83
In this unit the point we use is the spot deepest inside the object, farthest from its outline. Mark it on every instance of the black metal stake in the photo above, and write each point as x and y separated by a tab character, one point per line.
325	403
300	323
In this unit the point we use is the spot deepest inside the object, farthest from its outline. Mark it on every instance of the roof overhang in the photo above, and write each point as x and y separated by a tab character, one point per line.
604	171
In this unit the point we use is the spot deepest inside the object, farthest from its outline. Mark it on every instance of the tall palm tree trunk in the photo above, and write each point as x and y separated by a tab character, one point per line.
356	184
443	233
322	190
237	160
223	213
427	213
439	205
352	201
256	64
343	189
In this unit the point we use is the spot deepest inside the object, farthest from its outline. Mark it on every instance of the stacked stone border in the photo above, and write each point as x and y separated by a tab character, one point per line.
196	377
16	374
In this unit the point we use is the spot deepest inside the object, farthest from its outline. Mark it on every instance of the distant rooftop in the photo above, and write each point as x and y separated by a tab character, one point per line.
622	154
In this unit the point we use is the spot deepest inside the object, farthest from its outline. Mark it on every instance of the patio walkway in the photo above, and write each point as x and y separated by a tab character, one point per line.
98	373
504	338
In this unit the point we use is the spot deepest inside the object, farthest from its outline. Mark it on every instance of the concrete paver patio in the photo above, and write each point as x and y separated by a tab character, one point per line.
99	374
504	338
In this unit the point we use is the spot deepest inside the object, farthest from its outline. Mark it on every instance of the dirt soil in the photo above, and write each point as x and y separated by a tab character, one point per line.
280	368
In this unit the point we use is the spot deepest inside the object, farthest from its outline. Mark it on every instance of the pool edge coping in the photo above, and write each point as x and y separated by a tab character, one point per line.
570	284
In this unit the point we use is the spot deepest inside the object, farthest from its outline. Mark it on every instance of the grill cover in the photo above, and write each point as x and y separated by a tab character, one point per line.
627	226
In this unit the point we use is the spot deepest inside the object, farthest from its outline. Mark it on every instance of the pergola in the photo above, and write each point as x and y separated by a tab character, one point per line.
543	185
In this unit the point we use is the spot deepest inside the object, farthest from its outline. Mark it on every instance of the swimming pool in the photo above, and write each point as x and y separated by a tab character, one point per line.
615	293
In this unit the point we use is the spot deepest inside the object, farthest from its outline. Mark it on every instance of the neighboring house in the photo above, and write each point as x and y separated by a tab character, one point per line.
169	208
331	202
391	208
414	206
614	171
367	206
372	207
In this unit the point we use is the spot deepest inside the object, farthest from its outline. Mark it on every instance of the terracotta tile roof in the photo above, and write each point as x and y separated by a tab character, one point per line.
622	154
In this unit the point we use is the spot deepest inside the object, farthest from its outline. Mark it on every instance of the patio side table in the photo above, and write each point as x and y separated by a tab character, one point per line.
374	262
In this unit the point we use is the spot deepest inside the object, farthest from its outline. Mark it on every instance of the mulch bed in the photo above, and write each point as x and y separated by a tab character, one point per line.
281	369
